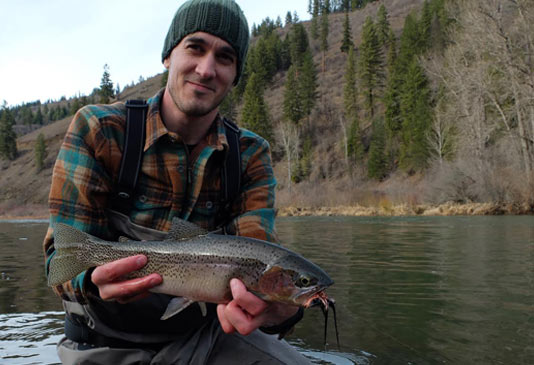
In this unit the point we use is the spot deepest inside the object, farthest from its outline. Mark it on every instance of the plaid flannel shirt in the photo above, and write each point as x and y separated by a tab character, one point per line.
87	168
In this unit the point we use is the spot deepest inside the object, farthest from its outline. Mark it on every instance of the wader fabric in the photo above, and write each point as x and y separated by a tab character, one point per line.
209	345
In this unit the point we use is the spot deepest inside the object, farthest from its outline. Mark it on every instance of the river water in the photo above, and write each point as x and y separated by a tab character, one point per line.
412	290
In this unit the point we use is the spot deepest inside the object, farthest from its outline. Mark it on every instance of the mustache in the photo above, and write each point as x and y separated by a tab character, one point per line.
202	82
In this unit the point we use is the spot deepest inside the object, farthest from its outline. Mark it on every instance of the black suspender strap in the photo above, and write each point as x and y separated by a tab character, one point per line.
132	154
231	179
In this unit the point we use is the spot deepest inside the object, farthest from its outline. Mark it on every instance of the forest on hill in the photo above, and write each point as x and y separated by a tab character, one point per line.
370	103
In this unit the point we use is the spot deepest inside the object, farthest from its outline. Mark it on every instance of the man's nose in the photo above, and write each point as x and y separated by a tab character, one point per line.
206	67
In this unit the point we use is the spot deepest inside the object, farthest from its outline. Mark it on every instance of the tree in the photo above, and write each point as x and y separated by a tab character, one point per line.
377	164
38	116
8	138
289	18
347	42
26	115
324	30
255	115
228	106
307	84
416	117
370	66
288	136
354	147
106	86
293	109
298	43
40	151
425	27
383	28
315	15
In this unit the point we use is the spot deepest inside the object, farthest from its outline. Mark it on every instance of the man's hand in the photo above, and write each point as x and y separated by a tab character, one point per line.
246	312
109	280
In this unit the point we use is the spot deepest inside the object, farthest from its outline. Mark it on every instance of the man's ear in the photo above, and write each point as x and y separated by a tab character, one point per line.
166	62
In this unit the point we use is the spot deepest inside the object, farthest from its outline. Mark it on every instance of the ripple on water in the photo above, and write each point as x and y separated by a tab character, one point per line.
30	338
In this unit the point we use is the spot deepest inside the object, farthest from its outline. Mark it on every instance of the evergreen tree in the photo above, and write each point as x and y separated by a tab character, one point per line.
278	23
377	164
392	93
409	45
355	149
285	54
315	15
347	43
324	30
293	109
303	167
307	84
40	151
8	138
27	115
370	66
38	116
295	17
106	86
228	107
255	115
416	118
298	43
289	18
75	106
45	113
425	27
350	98
383	28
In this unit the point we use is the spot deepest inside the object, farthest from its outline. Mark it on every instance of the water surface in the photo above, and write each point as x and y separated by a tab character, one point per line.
421	290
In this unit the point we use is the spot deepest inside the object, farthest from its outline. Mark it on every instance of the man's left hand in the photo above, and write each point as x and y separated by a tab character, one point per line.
246	312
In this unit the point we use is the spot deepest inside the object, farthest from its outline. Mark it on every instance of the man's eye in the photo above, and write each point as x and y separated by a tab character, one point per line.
227	59
194	47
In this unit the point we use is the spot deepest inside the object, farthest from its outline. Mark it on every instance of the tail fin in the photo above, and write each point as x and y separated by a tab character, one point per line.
66	264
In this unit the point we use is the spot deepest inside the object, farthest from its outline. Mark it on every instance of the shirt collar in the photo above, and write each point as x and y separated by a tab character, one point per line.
155	128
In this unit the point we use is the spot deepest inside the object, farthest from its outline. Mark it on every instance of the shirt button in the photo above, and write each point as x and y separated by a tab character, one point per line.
143	198
209	205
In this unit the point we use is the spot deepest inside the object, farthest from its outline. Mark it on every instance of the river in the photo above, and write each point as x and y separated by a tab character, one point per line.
408	290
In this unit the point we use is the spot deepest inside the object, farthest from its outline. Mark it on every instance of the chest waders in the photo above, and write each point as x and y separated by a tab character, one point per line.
85	323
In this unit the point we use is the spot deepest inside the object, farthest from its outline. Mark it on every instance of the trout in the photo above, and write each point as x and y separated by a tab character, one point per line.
197	266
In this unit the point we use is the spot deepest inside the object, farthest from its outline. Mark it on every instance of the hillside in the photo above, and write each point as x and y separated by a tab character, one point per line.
24	191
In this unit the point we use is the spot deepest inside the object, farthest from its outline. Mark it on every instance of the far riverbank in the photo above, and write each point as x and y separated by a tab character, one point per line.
40	211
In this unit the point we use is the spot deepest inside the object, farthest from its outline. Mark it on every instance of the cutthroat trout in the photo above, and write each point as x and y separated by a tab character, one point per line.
196	266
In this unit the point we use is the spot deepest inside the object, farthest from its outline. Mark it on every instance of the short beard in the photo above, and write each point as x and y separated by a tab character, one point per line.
194	110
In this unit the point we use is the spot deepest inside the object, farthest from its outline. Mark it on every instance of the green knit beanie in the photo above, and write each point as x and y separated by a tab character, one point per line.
222	18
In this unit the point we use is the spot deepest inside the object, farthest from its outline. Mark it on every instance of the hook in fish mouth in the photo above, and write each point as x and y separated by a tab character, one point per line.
322	300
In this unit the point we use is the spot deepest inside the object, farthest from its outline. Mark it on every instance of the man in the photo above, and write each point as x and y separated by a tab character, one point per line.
115	321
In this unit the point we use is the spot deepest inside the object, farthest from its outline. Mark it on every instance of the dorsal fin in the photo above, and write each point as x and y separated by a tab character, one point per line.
181	229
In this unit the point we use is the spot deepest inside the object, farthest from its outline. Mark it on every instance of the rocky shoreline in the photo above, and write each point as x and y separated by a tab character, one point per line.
447	209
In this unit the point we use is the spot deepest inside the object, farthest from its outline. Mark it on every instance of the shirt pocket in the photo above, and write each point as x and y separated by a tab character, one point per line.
206	213
152	209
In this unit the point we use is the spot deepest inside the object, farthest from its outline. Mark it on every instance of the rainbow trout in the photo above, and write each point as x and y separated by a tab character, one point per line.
196	266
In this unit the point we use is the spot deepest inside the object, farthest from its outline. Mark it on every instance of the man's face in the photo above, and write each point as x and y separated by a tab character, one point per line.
202	69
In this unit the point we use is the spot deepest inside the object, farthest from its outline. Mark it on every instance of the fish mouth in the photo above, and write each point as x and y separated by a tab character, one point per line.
305	298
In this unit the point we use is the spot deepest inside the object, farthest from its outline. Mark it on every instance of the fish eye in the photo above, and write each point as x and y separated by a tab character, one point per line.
304	281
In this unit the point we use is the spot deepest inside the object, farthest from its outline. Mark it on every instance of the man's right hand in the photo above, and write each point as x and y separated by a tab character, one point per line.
109	279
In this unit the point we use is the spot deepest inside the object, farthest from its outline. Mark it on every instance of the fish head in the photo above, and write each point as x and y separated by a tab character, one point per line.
293	280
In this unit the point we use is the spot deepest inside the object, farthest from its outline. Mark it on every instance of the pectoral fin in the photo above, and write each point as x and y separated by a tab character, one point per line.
176	305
